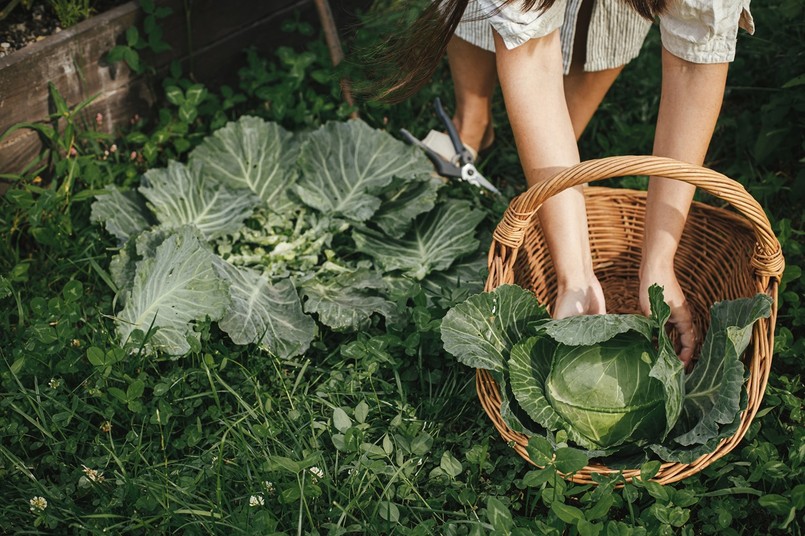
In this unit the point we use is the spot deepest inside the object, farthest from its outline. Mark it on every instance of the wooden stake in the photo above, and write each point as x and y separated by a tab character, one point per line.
334	45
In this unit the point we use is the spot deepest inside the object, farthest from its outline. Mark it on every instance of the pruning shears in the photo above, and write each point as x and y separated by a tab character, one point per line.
462	166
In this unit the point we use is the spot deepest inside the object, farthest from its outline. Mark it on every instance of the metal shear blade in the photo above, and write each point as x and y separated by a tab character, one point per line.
470	174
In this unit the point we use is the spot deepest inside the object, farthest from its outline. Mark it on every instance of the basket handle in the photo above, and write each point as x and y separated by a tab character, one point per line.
767	259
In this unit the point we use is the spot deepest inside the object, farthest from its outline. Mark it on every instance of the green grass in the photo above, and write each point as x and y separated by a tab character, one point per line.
367	433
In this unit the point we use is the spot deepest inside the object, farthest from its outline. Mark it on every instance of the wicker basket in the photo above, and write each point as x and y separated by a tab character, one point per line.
723	254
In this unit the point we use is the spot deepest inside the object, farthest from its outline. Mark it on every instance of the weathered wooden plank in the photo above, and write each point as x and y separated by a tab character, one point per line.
73	61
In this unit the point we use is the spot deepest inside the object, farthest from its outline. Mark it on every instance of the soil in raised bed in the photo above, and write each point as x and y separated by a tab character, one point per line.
26	25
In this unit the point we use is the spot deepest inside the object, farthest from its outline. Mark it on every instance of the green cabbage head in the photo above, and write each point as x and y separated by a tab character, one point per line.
606	392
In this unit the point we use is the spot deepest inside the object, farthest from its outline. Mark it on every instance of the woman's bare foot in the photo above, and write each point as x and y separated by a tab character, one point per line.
681	319
585	299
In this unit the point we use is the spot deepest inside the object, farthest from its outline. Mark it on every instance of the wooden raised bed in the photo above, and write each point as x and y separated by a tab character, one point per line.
73	60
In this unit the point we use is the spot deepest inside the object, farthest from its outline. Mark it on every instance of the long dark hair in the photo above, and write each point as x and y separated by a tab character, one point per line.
407	60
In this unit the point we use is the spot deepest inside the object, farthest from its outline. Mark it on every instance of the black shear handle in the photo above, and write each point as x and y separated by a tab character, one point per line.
464	155
443	167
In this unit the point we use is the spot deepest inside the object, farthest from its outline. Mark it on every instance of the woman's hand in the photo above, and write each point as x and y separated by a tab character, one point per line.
585	299
681	319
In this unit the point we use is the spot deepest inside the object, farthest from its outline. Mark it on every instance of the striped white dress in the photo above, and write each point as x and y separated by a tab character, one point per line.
699	31
615	36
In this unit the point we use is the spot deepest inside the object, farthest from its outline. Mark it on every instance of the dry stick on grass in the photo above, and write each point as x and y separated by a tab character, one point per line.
334	45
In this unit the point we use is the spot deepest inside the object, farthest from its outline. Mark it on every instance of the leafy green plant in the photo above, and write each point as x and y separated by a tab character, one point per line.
71	12
136	42
53	185
599	380
169	278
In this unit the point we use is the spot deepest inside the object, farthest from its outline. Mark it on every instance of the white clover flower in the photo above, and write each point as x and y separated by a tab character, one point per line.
106	427
317	472
269	487
38	504
54	383
93	475
256	500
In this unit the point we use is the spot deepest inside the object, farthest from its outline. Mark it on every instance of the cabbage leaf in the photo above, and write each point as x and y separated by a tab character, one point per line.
586	330
181	195
436	240
347	301
124	214
482	330
668	369
265	313
467	274
671	451
512	414
715	394
404	200
346	166
172	291
529	367
253	154
123	266
713	385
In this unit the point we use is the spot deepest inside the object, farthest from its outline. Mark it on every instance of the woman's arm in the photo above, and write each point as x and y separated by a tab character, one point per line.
689	106
531	79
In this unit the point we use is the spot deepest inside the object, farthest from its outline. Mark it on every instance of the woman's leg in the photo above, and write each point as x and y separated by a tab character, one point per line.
689	106
546	144
474	79
584	91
